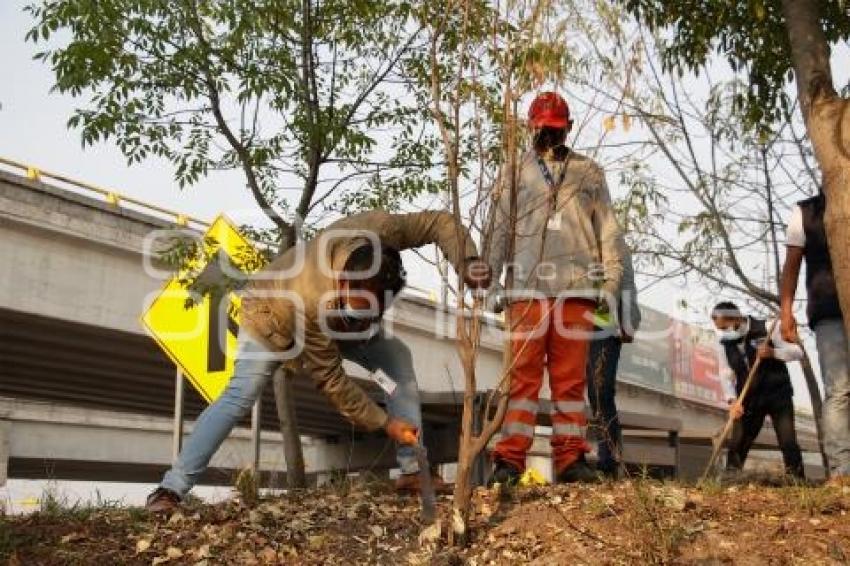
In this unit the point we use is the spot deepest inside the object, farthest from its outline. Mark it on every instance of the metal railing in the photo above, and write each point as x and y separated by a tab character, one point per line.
110	197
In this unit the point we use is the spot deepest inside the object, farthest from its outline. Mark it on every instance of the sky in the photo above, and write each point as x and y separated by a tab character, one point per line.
33	130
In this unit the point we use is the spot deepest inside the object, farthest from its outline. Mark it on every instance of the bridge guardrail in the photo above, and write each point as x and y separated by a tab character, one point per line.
111	197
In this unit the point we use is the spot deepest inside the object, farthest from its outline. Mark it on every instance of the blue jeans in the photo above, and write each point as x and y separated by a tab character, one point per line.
835	369
603	358
254	366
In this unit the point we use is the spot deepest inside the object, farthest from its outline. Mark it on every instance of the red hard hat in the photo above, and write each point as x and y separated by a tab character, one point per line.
549	109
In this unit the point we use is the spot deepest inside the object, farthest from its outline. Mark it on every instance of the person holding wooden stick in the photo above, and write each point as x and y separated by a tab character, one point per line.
743	340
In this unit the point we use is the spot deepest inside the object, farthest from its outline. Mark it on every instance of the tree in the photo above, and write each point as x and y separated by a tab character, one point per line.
772	41
461	104
483	60
284	91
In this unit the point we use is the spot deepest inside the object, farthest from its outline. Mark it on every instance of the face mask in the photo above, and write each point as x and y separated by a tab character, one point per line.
729	335
547	139
734	334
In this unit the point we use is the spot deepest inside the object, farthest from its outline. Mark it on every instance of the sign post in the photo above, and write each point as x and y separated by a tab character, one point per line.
177	440
255	438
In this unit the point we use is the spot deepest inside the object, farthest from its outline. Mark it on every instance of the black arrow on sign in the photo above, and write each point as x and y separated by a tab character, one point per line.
212	277
216	356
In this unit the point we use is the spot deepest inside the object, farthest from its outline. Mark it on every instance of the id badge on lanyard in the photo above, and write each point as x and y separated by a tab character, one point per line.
554	218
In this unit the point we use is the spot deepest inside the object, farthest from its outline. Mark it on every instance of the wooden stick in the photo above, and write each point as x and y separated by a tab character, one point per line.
718	446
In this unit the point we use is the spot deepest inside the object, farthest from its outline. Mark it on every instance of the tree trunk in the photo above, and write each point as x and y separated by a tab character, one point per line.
470	444
284	393
827	118
284	396
462	499
283	390
837	224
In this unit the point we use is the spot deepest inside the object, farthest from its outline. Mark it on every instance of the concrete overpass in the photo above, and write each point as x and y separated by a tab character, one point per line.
85	393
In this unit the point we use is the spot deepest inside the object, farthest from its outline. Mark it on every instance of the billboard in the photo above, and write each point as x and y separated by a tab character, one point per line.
673	357
696	374
705	376
645	361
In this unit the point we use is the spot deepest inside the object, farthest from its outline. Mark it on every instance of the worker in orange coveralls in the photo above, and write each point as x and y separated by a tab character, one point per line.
567	264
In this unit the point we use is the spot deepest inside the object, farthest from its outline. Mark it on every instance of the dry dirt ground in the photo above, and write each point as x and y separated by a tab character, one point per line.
627	522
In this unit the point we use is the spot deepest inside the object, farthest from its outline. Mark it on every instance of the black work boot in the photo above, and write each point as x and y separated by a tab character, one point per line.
731	474
504	474
610	472
578	472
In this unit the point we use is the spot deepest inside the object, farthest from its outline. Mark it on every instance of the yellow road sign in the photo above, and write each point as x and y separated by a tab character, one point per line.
201	340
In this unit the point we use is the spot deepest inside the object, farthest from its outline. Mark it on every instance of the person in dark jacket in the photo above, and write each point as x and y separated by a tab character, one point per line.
806	239
743	340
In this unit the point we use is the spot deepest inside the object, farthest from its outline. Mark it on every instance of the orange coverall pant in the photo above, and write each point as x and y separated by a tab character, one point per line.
552	334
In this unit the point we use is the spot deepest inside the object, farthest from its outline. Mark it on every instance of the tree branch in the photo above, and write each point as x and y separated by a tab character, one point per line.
242	151
809	52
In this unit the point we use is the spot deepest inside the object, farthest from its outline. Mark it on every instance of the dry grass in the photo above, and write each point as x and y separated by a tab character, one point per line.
637	521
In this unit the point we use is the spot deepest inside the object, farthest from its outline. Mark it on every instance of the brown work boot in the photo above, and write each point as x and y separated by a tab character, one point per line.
162	501
409	483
